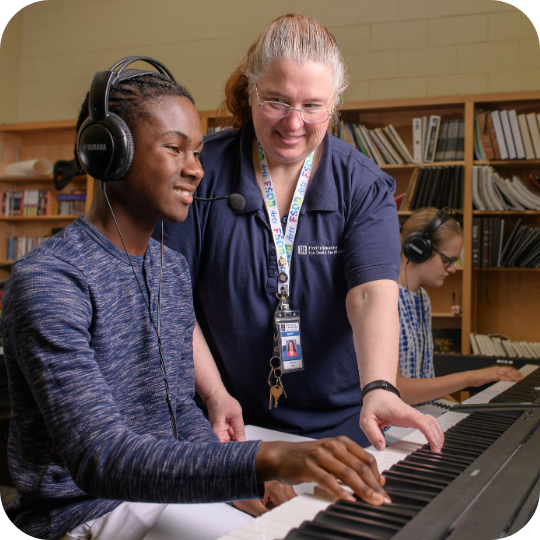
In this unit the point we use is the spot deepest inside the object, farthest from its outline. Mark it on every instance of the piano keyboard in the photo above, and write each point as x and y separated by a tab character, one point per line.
414	477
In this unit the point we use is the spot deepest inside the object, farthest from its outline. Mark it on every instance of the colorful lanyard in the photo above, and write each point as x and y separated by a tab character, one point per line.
284	244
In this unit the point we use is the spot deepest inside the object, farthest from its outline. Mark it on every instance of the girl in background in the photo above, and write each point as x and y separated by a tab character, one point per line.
416	379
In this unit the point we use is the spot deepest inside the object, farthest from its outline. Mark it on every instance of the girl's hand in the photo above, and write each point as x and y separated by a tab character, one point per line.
479	377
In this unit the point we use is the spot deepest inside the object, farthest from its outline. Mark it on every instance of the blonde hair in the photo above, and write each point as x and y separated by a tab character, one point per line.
419	220
291	37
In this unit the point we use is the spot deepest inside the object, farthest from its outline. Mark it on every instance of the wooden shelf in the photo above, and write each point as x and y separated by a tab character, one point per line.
446	315
509	162
38	218
505	269
79	178
506	213
415	165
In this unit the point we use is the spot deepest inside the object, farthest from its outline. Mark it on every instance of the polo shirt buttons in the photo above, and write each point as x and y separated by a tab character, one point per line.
273	273
88	537
273	252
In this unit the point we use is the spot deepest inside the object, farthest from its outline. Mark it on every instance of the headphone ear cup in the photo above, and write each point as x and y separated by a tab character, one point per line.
123	152
105	148
417	249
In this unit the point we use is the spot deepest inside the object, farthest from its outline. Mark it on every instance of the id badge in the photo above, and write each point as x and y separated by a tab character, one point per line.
287	323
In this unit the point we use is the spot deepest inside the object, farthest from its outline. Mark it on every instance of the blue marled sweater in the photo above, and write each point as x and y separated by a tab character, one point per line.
90	426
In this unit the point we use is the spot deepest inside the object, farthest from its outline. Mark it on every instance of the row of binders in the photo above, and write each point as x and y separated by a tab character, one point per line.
521	249
433	186
506	135
31	202
492	192
20	245
498	345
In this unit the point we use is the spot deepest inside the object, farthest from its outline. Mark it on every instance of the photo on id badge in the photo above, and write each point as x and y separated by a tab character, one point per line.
290	346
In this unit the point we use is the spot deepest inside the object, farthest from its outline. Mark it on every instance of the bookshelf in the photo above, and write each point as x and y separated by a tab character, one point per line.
513	293
47	140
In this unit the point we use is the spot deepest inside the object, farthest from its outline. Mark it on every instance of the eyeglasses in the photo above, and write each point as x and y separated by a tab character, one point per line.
310	115
447	258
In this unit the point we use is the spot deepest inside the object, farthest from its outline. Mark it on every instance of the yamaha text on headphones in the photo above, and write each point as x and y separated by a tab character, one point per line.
418	246
104	142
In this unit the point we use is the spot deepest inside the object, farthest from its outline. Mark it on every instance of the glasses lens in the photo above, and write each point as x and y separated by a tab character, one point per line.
315	115
277	110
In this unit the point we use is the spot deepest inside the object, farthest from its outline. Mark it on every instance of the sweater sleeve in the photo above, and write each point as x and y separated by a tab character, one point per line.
47	322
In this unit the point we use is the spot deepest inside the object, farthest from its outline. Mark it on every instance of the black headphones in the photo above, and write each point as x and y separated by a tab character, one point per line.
418	246
104	142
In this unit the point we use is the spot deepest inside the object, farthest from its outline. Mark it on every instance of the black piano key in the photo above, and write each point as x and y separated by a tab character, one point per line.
446	458
479	430
423	472
404	483
336	533
410	499
386	511
436	465
449	448
468	441
404	510
355	524
385	517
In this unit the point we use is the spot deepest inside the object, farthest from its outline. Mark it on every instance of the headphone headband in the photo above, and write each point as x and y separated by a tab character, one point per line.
418	246
104	142
436	221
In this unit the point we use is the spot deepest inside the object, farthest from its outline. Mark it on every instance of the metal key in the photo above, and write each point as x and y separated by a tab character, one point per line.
275	392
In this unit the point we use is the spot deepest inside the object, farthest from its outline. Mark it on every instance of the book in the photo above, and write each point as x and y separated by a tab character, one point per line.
499	134
451	140
498	232
535	133
431	138
526	136
492	136
441	141
447	340
404	151
485	137
460	149
507	132
487	235
417	140
516	133
476	242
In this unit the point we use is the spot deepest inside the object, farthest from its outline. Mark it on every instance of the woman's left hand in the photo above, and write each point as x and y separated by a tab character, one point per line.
382	409
275	494
480	377
225	417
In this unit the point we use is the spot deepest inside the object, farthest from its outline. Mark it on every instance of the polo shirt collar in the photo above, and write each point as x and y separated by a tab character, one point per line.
321	194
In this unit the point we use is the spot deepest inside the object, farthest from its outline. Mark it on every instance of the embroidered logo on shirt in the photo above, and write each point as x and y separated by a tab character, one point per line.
319	250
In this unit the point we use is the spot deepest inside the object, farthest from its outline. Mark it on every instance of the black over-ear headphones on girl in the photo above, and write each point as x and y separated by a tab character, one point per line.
418	246
104	142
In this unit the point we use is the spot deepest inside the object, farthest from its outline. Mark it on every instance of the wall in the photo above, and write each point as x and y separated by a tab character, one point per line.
10	67
394	48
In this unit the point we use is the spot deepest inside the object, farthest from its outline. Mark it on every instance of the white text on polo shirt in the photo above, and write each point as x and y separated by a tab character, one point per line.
319	250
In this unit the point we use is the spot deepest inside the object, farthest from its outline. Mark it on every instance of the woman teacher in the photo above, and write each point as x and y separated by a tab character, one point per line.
317	241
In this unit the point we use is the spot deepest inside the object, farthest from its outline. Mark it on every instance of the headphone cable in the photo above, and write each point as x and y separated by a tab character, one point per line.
156	328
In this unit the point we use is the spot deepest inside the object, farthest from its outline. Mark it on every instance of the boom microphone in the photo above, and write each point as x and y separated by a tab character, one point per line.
235	201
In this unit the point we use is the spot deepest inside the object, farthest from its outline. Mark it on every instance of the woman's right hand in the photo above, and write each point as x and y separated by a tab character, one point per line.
325	462
479	377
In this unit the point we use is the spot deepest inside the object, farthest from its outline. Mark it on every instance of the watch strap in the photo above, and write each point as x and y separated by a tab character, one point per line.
384	385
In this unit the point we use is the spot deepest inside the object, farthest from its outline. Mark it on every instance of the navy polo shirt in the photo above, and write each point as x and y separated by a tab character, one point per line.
348	234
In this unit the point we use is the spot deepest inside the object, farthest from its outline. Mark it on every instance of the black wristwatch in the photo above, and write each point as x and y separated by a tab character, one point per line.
378	384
